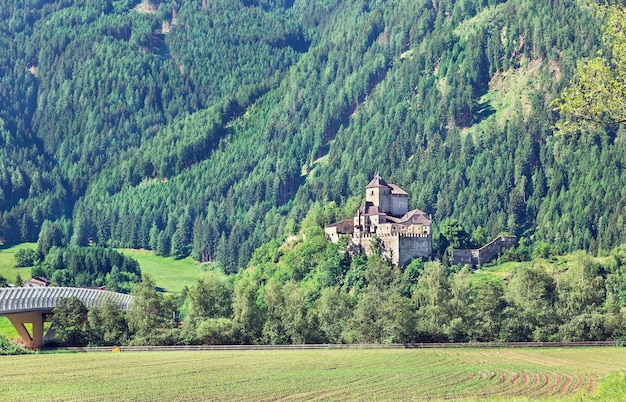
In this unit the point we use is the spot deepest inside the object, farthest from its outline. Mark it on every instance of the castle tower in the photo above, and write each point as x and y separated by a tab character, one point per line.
378	193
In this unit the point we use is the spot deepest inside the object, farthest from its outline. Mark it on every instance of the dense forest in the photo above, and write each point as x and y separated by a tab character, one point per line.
307	291
209	128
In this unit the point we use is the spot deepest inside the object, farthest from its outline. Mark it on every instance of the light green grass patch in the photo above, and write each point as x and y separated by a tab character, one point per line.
169	274
483	20
502	270
356	374
505	267
7	261
612	387
6	329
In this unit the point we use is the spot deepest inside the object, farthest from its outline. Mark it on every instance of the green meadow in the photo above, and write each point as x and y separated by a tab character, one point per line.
169	274
7	261
354	374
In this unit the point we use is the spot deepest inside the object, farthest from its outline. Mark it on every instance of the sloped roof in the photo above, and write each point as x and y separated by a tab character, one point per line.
377	182
416	217
397	190
345	226
370	209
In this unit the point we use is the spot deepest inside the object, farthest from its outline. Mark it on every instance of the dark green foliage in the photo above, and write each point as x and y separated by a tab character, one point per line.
376	302
69	319
218	331
150	316
488	304
9	348
585	299
52	234
90	266
209	298
25	257
202	128
107	325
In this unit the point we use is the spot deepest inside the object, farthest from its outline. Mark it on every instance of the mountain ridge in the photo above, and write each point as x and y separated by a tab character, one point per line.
230	129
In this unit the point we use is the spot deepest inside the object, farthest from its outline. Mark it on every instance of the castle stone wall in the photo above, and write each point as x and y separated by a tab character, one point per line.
381	197
399	205
493	249
465	256
412	247
400	249
484	254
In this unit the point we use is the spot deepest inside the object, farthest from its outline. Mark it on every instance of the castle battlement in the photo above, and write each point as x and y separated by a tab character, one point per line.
381	236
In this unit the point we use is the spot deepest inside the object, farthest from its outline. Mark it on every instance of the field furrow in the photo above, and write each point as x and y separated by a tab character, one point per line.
376	374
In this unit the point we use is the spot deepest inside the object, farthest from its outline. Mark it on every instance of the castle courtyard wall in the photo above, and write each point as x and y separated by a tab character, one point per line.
411	247
399	249
484	254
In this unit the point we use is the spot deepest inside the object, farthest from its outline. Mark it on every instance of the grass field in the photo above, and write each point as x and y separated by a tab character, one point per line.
7	329
379	374
7	261
169	273
8	270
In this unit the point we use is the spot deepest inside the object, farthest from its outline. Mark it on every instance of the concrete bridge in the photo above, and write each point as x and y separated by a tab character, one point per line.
34	306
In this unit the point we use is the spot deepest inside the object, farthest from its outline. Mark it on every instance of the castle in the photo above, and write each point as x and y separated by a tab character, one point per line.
385	219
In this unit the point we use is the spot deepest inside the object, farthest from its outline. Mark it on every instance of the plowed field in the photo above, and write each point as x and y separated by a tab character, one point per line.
380	374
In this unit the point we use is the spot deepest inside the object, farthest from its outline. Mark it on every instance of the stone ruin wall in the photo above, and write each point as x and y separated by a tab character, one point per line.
465	256
484	254
493	249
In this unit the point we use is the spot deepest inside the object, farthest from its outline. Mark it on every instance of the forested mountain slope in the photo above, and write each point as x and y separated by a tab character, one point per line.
210	127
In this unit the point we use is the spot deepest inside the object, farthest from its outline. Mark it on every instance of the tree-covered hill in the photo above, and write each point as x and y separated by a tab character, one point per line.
211	127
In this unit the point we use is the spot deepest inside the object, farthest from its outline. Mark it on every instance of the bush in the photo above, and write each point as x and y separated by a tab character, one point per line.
25	257
9	348
217	331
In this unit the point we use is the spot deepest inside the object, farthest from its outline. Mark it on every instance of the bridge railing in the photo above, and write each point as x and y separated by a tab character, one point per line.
13	300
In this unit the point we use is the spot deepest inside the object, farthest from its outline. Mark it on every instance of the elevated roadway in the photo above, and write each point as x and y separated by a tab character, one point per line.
34	305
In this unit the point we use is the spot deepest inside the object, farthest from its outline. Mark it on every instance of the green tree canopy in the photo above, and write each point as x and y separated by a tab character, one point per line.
597	93
70	321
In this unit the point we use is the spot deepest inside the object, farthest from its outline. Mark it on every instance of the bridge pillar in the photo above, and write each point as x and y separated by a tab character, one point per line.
36	318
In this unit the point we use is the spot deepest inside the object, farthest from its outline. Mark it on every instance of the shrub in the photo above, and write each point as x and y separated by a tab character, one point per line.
25	258
10	348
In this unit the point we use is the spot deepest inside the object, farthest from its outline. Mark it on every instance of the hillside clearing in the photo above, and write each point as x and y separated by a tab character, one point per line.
7	261
169	274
